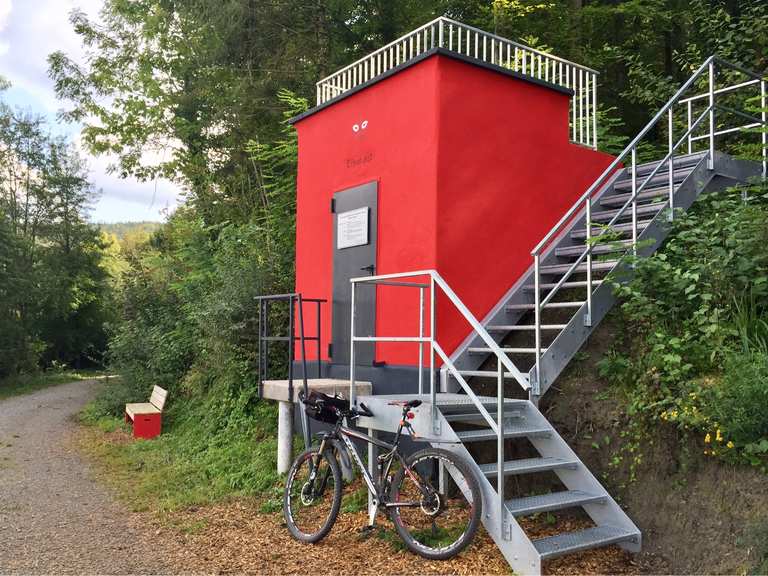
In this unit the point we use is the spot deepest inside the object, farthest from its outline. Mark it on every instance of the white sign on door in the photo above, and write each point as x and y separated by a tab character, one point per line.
352	228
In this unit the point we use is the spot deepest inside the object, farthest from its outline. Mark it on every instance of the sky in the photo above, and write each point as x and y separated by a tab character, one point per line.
29	31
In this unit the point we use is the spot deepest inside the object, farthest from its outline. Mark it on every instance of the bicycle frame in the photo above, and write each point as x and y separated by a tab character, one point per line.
377	489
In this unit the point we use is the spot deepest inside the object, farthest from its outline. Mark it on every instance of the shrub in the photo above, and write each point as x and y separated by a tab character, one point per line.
696	327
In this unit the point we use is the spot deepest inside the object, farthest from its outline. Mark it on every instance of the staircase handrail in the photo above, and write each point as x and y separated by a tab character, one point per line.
503	361
460	306
585	201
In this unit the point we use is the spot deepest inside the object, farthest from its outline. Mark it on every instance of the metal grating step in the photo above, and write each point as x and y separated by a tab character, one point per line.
599	266
514	429
662	177
515	307
447	402
523	327
626	227
644	210
681	161
475	417
620	199
569	542
574	284
481	350
552	501
485	374
607	248
529	466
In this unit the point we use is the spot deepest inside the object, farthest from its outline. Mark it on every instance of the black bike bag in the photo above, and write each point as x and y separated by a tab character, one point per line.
324	408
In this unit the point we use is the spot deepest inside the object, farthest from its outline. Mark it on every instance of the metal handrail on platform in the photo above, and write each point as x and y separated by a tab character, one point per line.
264	337
436	282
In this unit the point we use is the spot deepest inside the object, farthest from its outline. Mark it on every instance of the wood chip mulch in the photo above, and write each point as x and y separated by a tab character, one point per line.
236	538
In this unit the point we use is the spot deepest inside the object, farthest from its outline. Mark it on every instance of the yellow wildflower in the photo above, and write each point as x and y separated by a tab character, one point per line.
707	438
719	436
730	444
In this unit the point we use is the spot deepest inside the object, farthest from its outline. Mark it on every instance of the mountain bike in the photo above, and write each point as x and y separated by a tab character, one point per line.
432	496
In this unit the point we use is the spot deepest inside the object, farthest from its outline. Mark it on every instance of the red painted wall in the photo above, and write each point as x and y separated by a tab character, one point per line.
506	174
474	167
398	149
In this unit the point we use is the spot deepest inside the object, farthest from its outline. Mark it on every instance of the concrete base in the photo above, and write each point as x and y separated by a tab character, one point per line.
278	390
284	437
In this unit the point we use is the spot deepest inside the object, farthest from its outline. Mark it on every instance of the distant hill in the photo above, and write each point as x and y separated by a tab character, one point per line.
134	229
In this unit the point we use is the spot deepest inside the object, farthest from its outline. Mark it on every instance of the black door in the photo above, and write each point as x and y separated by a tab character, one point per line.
354	255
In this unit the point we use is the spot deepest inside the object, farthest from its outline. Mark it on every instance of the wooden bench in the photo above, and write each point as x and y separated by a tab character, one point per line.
147	416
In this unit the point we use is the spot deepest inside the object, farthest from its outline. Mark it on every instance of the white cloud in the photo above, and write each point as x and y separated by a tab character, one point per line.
5	11
30	30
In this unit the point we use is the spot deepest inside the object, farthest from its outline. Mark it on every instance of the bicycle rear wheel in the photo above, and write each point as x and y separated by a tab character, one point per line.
312	495
436	514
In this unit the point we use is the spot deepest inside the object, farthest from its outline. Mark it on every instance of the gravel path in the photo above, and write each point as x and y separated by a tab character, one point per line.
54	517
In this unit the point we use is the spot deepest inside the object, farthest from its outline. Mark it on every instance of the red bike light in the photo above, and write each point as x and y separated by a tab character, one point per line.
410	415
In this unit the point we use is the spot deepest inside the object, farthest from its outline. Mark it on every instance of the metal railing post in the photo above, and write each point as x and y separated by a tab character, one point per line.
537	313
594	111
690	120
671	166
432	325
262	351
319	342
352	398
421	344
588	315
291	343
500	449
307	433
634	203
711	160
764	131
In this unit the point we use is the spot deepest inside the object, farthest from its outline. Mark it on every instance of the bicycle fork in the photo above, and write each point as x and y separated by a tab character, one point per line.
373	490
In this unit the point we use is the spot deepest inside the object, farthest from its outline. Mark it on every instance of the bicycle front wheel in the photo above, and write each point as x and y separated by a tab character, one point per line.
312	495
438	506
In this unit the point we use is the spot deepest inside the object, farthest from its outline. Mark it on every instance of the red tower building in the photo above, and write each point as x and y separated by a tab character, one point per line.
444	162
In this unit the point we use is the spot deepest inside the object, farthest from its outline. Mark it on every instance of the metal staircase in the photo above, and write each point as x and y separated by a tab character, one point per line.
461	425
549	313
547	316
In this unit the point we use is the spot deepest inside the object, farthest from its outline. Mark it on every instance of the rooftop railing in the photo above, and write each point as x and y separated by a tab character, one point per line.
485	47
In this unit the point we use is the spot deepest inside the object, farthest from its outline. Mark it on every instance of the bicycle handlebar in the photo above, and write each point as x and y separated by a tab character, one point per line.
363	410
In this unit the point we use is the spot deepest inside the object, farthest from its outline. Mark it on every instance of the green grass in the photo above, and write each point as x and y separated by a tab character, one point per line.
200	458
28	383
